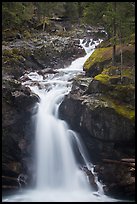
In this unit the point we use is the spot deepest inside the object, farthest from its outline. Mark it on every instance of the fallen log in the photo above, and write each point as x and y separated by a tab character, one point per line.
119	162
130	160
10	178
10	187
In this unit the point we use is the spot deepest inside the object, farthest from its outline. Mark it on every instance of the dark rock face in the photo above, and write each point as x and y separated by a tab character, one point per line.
100	121
100	128
118	177
43	53
17	131
106	132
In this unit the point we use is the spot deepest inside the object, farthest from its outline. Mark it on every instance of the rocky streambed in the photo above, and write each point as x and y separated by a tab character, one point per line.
43	52
106	134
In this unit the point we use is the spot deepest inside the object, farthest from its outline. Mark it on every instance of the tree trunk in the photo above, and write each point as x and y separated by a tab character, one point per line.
121	56
114	55
79	12
44	24
114	35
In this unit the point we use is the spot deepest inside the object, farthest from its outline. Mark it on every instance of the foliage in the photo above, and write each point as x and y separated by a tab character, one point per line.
124	16
93	13
16	13
71	11
49	9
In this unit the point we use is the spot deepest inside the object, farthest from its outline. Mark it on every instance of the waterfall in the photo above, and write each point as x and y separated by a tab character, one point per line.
59	177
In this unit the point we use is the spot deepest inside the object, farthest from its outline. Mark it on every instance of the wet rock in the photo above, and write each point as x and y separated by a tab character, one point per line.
116	80
47	71
97	87
15	166
96	116
126	80
117	178
99	117
24	101
17	109
24	78
22	180
91	178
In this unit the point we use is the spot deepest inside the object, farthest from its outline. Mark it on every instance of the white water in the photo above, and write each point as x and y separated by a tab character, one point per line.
58	175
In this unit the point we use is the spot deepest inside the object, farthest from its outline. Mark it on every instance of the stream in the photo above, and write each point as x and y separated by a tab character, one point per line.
59	177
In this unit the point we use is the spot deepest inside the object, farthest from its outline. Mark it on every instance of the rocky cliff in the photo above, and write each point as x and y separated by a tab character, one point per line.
101	105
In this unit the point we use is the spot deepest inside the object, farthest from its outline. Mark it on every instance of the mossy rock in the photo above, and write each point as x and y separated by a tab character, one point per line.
106	77
119	89
116	75
98	59
12	56
125	110
97	87
27	34
9	34
99	55
132	39
105	43
124	93
110	83
11	84
102	57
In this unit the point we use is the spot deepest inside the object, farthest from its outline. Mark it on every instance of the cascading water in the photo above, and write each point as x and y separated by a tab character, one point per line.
59	177
56	165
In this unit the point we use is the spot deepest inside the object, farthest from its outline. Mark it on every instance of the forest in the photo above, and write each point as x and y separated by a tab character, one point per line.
68	101
21	15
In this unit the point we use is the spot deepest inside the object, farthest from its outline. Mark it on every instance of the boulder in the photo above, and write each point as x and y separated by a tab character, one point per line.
117	178
98	117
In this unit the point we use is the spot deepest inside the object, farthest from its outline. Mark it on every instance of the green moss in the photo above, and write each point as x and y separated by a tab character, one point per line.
7	52
122	109
11	52
132	38
125	93
110	70
128	72
113	72
15	51
11	56
99	55
128	87
26	52
27	34
125	111
104	78
9	34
